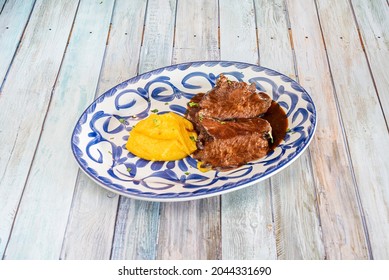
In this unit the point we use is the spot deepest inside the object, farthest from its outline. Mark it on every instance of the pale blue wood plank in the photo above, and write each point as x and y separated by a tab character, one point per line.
191	230
293	199
13	19
25	98
44	209
341	221
2	3
367	138
247	227
196	36
93	214
373	21
136	231
158	35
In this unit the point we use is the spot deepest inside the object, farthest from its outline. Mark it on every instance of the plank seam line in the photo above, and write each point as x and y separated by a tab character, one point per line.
39	138
291	41
10	155
271	187
174	32
79	171
1	86
347	147
121	198
144	25
156	246
315	187
218	28
105	49
291	38
368	62
109	33
2	8
257	36
142	38
115	227
18	46
69	219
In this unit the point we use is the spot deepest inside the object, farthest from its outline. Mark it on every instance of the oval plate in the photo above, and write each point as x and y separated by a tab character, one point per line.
99	137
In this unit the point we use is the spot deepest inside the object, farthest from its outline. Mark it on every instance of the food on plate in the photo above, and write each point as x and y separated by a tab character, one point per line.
231	100
225	128
228	144
233	124
162	137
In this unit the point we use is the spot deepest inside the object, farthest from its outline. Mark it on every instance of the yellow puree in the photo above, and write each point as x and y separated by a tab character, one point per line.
162	137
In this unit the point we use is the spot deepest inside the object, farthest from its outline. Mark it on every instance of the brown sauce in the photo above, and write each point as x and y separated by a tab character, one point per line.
276	116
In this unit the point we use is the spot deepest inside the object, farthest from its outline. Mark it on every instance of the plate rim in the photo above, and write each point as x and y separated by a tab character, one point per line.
157	197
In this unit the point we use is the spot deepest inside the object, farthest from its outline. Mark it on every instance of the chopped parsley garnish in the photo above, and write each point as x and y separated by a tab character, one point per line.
121	120
288	130
187	173
129	169
154	111
201	117
156	122
193	138
193	104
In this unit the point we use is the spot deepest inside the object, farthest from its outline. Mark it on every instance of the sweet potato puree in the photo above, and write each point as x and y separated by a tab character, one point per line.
162	137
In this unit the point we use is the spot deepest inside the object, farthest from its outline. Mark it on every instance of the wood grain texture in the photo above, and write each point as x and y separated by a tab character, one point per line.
196	31
293	189
13	20
247	226
275	50
246	221
42	215
191	230
364	123
158	36
237	28
42	49
91	223
373	20
136	229
136	232
340	216
94	209
56	56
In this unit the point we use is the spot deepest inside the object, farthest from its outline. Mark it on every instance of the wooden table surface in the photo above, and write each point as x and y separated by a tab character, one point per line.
56	57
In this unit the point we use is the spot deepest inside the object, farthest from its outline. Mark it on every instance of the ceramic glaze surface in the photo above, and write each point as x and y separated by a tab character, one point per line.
99	137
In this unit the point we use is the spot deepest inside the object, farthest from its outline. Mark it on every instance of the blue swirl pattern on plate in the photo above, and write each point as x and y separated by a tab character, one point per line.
99	137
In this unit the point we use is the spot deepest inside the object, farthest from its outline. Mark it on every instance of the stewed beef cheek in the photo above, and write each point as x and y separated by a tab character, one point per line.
232	143
230	133
230	100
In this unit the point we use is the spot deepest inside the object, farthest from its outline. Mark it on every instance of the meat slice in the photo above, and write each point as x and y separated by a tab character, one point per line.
230	100
230	131
225	145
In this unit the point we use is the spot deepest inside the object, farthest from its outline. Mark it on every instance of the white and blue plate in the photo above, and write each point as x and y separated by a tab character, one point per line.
99	137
